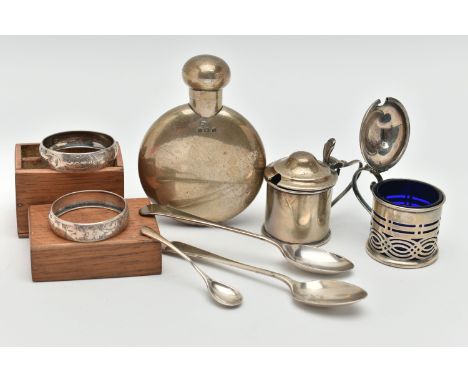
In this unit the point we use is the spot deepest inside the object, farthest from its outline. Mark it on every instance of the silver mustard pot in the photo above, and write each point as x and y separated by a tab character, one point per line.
299	196
405	213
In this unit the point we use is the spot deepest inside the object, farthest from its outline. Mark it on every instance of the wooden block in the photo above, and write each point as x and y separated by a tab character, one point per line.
127	254
37	183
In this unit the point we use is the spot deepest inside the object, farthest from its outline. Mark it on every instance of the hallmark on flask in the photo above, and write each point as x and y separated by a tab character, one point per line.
205	128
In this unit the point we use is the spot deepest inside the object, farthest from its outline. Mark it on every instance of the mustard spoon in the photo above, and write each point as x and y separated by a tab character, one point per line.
221	293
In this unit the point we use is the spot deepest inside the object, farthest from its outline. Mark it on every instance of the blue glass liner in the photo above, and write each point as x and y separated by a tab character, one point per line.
408	193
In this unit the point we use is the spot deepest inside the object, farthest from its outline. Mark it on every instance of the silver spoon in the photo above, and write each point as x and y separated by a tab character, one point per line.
326	293
303	256
221	293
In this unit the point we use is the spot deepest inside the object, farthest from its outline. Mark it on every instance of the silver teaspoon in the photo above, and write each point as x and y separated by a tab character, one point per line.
221	293
326	293
306	257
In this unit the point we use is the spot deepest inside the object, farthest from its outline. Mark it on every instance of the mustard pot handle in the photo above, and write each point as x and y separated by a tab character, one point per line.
337	165
355	186
350	184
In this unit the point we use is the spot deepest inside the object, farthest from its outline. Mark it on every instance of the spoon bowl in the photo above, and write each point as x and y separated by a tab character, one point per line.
326	293
224	294
314	259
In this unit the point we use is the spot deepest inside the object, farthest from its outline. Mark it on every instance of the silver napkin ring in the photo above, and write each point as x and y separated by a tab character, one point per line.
87	232
74	151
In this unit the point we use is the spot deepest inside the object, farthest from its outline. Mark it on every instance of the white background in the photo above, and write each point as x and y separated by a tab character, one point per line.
297	92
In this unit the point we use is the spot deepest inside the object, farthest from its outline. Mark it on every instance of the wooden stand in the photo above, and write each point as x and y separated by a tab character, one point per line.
37	183
127	254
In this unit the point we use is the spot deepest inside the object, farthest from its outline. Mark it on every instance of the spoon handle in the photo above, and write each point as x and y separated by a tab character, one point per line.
147	231
199	253
156	209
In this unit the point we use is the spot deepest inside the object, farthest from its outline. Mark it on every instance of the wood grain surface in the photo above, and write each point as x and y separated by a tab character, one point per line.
127	254
37	183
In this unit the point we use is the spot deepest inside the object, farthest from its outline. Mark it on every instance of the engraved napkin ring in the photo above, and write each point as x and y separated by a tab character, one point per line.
75	151
88	232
